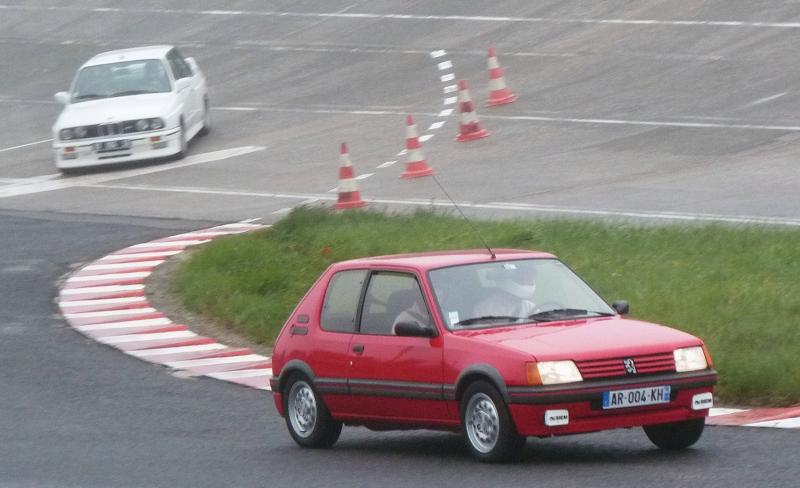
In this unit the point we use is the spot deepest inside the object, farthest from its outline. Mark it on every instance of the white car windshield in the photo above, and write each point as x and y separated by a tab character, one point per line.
513	292
121	79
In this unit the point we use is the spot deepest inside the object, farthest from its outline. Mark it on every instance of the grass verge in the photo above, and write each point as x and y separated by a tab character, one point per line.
736	287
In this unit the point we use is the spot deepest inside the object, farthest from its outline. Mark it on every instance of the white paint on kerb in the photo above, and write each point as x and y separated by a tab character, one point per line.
194	363
127	324
791	423
111	313
160	244
107	277
156	336
148	353
243	373
101	289
101	302
131	265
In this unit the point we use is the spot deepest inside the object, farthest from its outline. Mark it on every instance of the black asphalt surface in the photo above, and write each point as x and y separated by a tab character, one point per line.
74	413
694	111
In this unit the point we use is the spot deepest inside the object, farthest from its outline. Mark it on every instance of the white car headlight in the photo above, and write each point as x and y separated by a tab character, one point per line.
156	123
65	134
554	372
80	132
142	124
690	359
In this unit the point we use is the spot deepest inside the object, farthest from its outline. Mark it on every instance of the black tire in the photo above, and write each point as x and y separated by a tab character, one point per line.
206	119
489	431
677	435
307	418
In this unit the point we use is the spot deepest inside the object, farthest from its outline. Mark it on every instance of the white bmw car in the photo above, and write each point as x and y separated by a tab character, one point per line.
130	105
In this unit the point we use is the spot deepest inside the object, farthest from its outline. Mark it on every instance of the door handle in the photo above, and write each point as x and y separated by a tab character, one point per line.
358	348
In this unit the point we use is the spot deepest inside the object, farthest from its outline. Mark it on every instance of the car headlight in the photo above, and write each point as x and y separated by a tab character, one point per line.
65	134
690	359
552	373
156	123
142	124
79	132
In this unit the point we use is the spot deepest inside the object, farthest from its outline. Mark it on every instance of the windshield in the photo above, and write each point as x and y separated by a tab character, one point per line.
121	79
513	292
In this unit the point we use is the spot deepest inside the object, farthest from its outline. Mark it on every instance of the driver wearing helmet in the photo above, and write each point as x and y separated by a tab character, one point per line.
512	294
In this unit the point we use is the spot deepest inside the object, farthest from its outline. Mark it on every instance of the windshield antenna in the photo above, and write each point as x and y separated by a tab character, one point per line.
475	229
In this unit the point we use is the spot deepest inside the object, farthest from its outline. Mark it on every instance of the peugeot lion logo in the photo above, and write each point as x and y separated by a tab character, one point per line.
630	365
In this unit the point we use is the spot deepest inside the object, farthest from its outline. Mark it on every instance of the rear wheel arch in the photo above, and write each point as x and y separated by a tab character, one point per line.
294	367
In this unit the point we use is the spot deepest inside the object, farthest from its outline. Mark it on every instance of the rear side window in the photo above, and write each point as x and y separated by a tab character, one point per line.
340	307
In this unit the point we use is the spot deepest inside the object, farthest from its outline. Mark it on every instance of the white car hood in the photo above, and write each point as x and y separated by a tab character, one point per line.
116	109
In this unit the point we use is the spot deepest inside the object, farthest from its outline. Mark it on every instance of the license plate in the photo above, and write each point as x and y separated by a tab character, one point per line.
636	397
112	146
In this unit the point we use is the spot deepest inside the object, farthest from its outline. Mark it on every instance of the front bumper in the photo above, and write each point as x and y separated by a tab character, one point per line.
82	153
583	402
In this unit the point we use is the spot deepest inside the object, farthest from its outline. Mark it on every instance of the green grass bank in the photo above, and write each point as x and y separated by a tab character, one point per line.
736	287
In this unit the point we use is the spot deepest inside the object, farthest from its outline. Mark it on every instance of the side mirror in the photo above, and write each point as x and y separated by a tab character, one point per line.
413	329
192	64
621	306
62	97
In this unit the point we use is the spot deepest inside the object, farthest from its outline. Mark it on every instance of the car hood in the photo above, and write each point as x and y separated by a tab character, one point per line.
116	109
582	340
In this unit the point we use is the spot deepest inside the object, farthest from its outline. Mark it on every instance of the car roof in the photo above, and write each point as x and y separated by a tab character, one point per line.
425	261
130	54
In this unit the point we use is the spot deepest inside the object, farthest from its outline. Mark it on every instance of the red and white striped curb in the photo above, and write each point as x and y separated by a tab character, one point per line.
105	300
782	418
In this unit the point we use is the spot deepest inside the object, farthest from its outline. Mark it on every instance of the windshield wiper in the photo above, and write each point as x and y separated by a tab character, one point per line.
560	313
486	318
131	92
88	96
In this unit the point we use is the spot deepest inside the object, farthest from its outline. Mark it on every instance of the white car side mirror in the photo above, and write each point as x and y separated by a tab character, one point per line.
192	64
62	98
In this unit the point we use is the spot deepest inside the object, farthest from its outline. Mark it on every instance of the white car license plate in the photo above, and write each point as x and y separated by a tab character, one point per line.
112	146
636	397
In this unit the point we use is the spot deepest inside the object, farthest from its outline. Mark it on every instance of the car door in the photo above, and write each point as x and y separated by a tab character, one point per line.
328	356
393	378
185	88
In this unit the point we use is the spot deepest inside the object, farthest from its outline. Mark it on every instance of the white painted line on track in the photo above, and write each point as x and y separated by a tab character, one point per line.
574	120
447	77
65	183
104	277
101	289
162	351
385	165
450	100
445	65
402	152
436	125
520	207
438	54
282	211
128	324
451	89
792	423
765	100
24	145
237	109
397	16
363	176
426	137
156	336
101	301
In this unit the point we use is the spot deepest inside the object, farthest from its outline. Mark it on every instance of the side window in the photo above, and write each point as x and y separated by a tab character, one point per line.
392	297
340	307
180	68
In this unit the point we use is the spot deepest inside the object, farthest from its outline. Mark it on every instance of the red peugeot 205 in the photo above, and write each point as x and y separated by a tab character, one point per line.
499	345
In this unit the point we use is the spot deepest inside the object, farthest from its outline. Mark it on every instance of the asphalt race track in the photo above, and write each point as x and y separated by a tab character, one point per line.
669	110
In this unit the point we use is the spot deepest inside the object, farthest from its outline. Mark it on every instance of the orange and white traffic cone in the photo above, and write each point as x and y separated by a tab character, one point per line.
349	196
416	164
468	126
499	94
